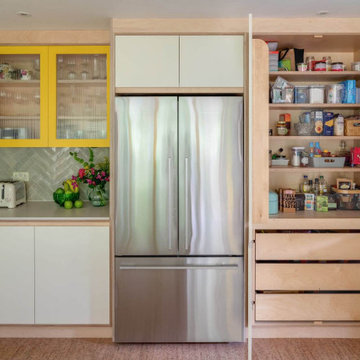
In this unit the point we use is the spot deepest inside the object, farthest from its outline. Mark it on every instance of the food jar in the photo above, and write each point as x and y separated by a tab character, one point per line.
281	127
334	93
355	66
310	61
337	66
320	66
316	94
304	159
301	67
296	155
327	60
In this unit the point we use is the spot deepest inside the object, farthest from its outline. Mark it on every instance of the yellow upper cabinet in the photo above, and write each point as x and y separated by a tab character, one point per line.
24	96
55	96
79	105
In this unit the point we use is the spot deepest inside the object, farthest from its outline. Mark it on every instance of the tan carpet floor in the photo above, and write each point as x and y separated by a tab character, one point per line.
103	349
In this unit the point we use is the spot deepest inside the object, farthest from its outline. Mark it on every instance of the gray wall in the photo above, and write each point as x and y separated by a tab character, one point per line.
47	167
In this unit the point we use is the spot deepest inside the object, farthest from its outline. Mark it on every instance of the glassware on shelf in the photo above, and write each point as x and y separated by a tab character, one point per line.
84	75
96	67
98	196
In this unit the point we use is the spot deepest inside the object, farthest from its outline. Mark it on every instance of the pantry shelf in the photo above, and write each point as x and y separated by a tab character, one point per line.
312	169
82	82
20	82
317	138
335	214
315	75
290	106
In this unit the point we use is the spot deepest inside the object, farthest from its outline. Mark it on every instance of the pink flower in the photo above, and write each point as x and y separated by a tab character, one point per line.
89	181
94	183
107	179
103	173
73	177
92	171
81	173
98	176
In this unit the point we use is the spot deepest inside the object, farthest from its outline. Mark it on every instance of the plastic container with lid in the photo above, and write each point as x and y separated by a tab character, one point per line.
334	93
301	94
296	155
316	94
273	203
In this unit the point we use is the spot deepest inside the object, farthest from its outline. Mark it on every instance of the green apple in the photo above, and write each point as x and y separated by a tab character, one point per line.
68	204
78	204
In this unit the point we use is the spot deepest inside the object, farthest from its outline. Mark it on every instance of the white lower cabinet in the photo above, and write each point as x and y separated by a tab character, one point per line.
16	275
72	275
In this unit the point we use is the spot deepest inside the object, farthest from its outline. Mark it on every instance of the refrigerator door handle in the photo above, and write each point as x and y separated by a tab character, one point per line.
186	203
180	267
169	202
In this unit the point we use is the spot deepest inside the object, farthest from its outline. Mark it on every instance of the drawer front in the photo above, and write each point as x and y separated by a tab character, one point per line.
315	277
336	246
307	307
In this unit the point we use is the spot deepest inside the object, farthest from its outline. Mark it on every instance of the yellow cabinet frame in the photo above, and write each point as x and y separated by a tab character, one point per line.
53	52
43	52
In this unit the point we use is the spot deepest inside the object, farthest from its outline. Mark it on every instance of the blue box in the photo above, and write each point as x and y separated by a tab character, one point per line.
349	94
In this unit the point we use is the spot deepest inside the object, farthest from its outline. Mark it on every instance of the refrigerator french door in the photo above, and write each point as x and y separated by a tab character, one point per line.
179	219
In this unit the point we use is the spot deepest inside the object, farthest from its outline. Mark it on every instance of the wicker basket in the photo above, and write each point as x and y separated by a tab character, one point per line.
352	126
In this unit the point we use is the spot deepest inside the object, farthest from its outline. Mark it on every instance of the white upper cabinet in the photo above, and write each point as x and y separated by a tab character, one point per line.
211	61
72	275
147	61
16	275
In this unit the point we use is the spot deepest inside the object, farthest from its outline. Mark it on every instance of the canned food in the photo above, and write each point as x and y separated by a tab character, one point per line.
337	66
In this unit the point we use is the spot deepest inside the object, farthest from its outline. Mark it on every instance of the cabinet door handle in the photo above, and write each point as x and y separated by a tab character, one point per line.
170	202
186	203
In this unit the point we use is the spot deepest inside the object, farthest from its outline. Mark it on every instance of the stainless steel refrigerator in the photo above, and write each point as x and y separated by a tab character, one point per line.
179	219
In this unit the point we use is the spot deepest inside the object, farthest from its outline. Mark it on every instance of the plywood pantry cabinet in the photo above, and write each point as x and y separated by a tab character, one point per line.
158	61
54	275
306	264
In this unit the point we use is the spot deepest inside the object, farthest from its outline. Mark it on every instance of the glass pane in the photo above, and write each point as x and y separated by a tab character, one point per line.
81	96
19	96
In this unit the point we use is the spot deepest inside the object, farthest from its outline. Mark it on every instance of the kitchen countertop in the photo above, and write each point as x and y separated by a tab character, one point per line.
49	210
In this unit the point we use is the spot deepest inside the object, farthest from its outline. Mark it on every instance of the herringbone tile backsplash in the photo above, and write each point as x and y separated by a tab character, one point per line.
47	168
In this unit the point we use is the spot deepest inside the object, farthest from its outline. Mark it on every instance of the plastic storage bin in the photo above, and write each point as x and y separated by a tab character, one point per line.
273	203
279	162
346	200
301	94
327	162
316	94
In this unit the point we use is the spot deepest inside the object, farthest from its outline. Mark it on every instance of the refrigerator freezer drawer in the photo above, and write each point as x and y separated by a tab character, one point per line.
179	300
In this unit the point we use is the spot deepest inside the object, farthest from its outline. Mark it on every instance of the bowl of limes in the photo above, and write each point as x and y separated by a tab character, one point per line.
68	196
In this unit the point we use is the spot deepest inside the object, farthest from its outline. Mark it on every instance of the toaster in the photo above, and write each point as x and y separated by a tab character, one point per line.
12	193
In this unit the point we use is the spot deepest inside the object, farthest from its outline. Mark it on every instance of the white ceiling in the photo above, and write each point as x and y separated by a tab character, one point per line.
96	14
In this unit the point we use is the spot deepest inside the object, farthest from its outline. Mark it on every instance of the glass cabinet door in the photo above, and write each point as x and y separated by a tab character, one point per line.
79	106
23	96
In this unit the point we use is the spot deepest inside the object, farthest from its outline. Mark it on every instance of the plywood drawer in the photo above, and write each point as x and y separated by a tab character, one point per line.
307	307
281	246
310	277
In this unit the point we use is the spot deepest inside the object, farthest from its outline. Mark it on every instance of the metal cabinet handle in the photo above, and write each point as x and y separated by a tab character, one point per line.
170	202
186	203
180	267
